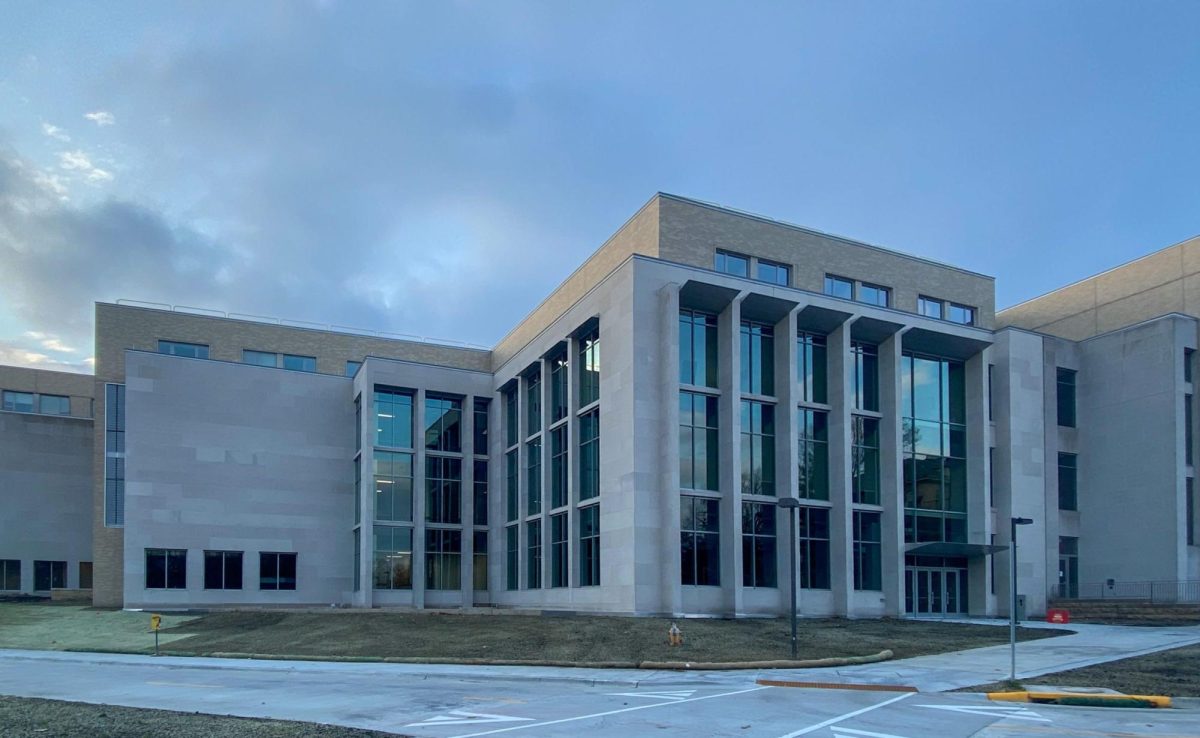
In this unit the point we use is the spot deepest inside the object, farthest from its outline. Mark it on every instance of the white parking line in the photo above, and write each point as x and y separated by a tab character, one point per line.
847	716
612	712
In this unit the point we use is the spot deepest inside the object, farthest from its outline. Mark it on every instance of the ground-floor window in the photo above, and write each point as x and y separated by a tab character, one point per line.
392	568
166	568
479	558
589	546
559	530
277	571
758	545
868	551
512	578
10	574
533	540
814	547
85	575
443	559
700	541
222	569
1068	566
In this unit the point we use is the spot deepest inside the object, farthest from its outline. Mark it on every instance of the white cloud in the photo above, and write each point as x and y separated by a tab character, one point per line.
55	132
101	117
50	342
78	161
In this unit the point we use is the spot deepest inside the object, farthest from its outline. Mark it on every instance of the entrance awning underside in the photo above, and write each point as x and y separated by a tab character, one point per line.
942	548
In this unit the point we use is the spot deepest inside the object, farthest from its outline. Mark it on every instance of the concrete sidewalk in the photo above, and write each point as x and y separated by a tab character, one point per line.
1089	644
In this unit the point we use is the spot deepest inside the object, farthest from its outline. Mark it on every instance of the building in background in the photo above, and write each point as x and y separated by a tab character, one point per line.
623	448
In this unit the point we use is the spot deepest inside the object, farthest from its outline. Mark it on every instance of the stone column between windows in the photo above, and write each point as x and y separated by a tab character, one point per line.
787	457
979	518
418	542
841	399
365	499
670	583
495	523
466	557
729	324
573	462
522	386
544	466
891	473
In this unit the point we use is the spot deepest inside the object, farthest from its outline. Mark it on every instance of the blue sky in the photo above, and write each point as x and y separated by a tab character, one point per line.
438	168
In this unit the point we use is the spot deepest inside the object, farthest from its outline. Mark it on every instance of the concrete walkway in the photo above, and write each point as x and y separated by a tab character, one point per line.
1088	645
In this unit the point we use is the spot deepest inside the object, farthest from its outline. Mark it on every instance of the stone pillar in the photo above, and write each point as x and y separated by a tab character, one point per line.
365	498
467	556
891	473
573	461
841	400
979	511
671	589
729	324
418	539
786	455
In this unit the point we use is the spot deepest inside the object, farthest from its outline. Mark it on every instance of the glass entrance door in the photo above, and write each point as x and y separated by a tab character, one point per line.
935	590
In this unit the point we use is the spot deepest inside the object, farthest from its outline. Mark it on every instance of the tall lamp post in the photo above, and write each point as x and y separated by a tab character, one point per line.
1012	590
791	505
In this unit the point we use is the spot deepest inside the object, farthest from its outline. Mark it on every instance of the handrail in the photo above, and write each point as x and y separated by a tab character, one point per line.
1153	590
306	324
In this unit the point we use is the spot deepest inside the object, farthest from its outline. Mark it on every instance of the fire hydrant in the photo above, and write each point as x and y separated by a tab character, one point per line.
674	636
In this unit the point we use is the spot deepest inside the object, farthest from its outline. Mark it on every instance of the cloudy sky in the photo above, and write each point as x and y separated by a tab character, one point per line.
438	168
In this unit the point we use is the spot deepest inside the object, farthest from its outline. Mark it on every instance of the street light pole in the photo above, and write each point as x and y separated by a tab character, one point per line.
792	506
1012	590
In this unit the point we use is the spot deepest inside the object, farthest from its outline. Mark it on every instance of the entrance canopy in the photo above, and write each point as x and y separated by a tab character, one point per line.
965	550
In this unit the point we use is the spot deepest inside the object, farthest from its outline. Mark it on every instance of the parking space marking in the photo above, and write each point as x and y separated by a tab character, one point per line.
462	717
613	712
1000	711
866	733
677	696
847	716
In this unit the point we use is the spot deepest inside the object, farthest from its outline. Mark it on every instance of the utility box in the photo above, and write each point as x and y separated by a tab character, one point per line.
1020	607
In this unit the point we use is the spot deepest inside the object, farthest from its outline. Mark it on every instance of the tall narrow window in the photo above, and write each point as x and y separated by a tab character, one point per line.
392	567
443	559
443	424
700	541
812	436
533	480
558	550
868	551
758	448
1189	439
1188	355
933	439
1190	505
533	402
864	465
533	561
589	546
731	263
511	491
512	558
811	367
558	385
866	376
510	417
697	348
393	418
393	486
758	545
559	468
758	358
1067	482
277	571
991	379
589	455
479	558
814	547
589	368
443	490
698	449
480	484
1066	398
480	428
114	455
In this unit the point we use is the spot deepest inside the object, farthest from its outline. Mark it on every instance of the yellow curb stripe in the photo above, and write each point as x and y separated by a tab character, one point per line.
835	685
1156	700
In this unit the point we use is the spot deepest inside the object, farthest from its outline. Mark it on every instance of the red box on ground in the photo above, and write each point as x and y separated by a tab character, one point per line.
1057	615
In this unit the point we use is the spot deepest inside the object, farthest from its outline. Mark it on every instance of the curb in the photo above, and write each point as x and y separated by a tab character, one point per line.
629	665
1083	700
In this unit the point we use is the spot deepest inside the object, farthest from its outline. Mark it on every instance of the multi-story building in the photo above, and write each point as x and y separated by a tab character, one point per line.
623	449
